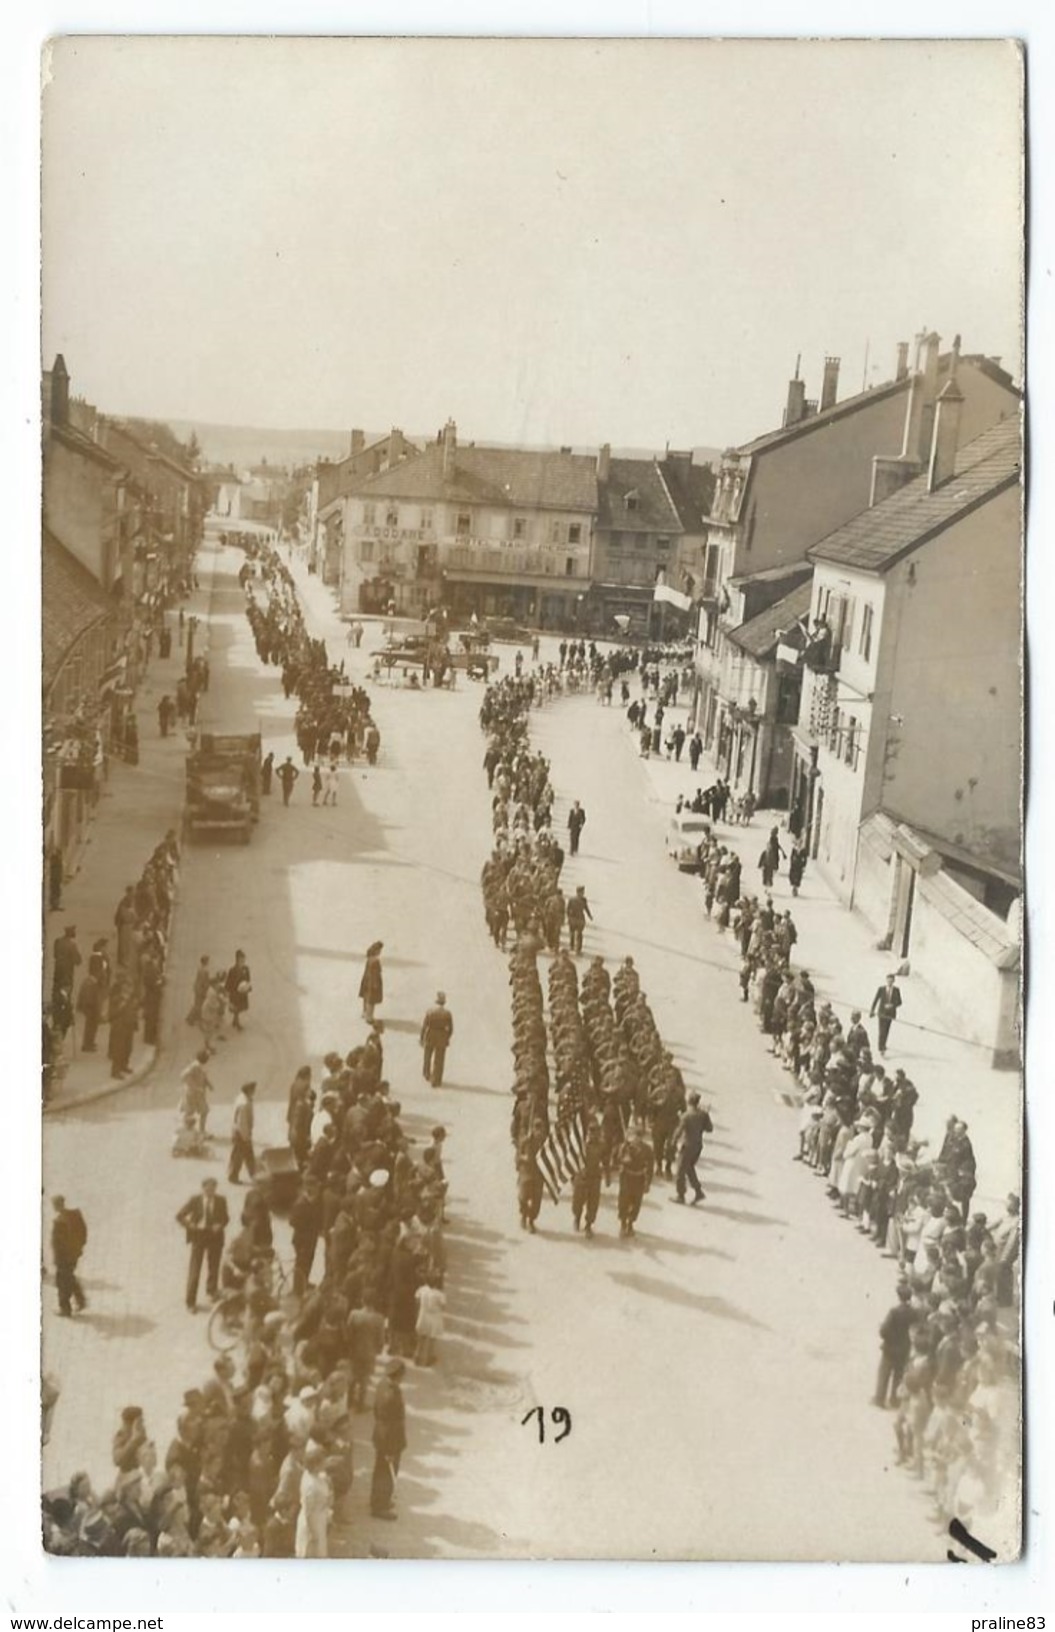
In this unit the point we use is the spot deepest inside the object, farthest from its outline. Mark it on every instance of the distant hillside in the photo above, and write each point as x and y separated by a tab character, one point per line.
245	445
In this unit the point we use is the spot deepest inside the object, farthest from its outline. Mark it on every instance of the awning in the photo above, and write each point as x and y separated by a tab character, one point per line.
673	597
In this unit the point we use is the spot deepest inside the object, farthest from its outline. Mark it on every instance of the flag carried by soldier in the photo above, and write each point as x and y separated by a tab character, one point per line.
560	1158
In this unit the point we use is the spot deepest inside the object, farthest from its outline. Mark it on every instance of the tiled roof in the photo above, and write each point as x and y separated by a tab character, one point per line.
71	602
654	510
877	538
496	476
761	635
691	488
849	405
77	442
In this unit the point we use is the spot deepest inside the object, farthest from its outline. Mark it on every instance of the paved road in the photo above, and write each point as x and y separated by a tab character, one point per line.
717	1368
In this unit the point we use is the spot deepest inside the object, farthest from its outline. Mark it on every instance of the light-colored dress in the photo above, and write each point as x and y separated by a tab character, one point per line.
430	1302
313	1520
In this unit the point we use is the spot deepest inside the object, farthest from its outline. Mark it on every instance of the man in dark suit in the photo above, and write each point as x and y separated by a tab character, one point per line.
390	1440
69	1236
437	1029
576	823
886	1003
204	1218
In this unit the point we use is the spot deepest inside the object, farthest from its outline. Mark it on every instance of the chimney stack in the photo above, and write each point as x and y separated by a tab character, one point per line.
946	438
604	460
450	442
59	405
830	383
356	443
796	408
902	360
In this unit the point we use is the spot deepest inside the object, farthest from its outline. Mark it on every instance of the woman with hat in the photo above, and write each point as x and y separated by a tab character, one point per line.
371	987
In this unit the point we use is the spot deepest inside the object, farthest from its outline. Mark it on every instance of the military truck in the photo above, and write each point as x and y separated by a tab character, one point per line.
223	784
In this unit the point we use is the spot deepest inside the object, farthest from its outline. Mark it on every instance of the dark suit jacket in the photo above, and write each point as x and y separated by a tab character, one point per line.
390	1434
192	1216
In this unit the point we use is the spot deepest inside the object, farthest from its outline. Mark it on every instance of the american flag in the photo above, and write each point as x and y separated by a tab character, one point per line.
561	1157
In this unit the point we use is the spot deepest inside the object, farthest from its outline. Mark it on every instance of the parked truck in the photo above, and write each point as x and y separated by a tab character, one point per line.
223	784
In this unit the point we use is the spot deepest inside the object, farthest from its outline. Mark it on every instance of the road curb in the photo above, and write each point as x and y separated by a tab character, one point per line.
90	1095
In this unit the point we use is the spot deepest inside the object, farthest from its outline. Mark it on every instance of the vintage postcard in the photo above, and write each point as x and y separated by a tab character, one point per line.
531	560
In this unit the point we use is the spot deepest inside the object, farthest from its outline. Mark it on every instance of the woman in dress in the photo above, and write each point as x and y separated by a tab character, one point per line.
430	1302
238	985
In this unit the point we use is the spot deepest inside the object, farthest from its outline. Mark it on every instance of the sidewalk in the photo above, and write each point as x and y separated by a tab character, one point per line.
137	806
953	1076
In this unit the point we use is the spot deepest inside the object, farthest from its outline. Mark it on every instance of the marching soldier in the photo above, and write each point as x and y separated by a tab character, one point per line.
586	1185
635	1176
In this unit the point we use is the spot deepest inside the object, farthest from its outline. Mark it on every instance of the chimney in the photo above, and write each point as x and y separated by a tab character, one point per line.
604	460
796	408
902	360
395	446
919	410
932	352
450	442
830	383
356	444
59	404
946	438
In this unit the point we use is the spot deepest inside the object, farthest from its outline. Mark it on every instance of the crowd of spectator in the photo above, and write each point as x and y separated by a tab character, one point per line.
122	982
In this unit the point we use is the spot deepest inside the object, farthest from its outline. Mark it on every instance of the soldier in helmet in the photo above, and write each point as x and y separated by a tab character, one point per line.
635	1175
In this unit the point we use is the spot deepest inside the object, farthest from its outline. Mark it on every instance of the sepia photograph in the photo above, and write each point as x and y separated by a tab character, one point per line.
531	830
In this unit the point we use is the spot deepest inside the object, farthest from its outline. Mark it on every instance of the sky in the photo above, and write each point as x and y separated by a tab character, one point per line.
549	241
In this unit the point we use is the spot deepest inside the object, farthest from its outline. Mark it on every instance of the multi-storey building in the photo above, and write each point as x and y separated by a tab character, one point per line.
907	777
492	531
336	479
649	522
779	494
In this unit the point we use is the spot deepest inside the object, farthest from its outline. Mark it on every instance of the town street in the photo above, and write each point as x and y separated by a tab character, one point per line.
717	1368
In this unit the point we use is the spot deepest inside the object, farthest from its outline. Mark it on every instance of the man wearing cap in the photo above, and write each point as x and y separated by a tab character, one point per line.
689	1141
437	1029
886	1003
204	1218
69	1236
578	911
390	1439
242	1152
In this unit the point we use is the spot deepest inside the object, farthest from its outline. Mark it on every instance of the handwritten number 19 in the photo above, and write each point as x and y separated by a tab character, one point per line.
561	1421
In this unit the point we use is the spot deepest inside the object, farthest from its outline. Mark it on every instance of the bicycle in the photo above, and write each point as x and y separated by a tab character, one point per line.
228	1322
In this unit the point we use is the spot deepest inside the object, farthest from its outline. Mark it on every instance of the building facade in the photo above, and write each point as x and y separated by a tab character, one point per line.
781	493
908	752
492	531
649	521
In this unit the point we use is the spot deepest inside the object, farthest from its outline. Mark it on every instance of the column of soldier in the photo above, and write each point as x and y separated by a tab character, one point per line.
946	1356
619	1095
323	720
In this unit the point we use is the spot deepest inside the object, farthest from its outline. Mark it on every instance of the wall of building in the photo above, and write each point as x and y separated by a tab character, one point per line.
874	881
803	489
976	999
77	501
949	686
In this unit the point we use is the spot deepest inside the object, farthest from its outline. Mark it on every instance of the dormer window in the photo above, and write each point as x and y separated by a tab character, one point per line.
630	500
